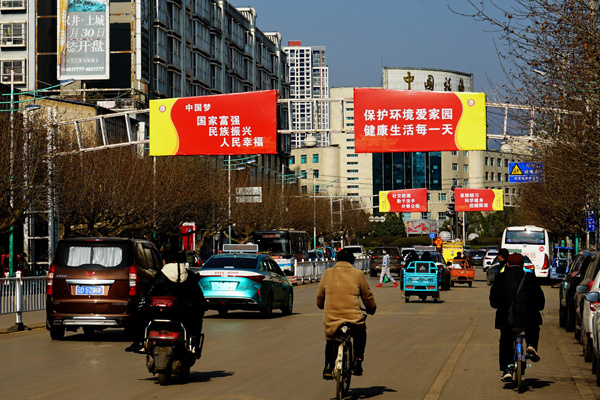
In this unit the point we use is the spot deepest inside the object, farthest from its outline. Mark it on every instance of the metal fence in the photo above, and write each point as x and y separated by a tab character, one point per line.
21	294
312	271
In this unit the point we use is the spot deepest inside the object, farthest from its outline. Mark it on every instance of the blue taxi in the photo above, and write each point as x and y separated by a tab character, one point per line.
246	281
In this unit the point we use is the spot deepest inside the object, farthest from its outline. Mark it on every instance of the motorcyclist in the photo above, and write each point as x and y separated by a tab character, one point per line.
340	292
174	279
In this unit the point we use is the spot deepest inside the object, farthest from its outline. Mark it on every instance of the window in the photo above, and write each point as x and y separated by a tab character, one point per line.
442	215
352	171
18	66
506	162
303	174
505	177
499	162
351	155
454	167
485	161
454	153
303	159
315	158
352	163
491	176
465	183
12	3
352	179
352	186
304	190
12	34
349	147
441	196
466	167
454	182
315	173
487	175
292	160
425	215
499	177
465	154
349	140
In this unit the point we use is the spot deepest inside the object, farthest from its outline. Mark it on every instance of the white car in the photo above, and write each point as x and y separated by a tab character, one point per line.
489	257
358	251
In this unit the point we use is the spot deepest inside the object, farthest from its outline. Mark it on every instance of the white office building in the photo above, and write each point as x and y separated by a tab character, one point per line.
308	79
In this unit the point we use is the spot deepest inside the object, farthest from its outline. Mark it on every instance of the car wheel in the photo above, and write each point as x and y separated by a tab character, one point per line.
57	332
406	299
470	284
267	311
587	347
597	372
570	321
562	318
594	363
163	378
289	306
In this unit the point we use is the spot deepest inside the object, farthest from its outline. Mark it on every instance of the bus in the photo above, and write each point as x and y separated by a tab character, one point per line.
533	242
285	246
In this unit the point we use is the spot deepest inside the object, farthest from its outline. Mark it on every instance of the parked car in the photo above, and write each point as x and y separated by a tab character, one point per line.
593	297
377	259
246	281
476	257
582	288
489	258
96	283
315	256
588	309
567	288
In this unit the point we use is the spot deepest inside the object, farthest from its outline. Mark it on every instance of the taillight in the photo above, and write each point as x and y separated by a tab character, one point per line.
132	280
594	305
545	266
256	278
50	280
590	285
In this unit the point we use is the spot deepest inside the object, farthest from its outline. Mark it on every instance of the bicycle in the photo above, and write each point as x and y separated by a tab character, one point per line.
344	362
520	358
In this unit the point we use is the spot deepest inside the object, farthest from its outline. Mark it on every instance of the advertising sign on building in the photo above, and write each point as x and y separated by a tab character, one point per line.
142	40
525	172
228	124
410	200
478	199
421	227
83	39
404	121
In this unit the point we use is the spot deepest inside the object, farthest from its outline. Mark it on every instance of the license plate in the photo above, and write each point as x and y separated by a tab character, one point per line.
90	290
224	285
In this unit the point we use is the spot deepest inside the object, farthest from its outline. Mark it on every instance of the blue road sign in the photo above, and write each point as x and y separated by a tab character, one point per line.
525	172
590	221
432	235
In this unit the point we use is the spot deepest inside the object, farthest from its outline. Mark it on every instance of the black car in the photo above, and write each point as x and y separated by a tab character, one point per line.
568	288
476	257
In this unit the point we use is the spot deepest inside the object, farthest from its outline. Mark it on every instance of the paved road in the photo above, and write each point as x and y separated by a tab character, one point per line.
415	350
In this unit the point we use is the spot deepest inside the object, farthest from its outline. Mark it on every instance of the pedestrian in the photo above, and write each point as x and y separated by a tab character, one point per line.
385	275
518	289
502	259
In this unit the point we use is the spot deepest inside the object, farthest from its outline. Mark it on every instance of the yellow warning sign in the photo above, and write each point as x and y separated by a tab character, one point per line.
516	170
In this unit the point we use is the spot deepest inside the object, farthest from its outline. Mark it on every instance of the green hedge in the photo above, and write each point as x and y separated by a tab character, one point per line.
371	242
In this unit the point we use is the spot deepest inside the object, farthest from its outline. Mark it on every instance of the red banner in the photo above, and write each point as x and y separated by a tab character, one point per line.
398	120
410	200
229	124
478	200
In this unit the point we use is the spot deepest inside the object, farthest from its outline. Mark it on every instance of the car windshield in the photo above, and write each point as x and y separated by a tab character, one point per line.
230	262
107	256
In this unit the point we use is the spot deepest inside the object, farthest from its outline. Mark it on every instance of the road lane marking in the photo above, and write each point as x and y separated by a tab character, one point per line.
438	385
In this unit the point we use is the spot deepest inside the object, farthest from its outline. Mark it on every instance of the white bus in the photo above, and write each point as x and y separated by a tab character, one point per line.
533	242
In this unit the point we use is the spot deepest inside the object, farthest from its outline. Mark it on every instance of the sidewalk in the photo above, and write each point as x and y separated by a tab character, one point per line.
30	319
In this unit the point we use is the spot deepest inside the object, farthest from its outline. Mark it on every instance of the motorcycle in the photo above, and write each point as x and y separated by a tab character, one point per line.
168	346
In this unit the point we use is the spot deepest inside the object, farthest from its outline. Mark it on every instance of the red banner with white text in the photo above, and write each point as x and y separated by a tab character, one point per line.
409	200
478	199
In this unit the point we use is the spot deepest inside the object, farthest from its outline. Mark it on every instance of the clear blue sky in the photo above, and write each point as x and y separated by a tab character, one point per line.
362	36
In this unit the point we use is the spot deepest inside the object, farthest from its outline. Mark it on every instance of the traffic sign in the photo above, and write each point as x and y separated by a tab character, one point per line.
590	219
525	172
432	235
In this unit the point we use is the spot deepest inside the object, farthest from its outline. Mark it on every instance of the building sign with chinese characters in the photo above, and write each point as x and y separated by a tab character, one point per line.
83	39
410	200
228	124
478	199
403	121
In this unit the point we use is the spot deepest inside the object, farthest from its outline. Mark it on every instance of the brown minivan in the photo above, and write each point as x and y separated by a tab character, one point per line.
96	283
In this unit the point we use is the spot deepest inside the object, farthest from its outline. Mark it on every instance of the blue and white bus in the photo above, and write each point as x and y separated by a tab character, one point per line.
533	242
284	246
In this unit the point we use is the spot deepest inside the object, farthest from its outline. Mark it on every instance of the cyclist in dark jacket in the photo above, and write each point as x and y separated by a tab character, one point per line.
526	305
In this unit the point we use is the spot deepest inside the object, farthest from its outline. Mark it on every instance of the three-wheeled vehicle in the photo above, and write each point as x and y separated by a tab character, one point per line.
561	260
461	272
420	278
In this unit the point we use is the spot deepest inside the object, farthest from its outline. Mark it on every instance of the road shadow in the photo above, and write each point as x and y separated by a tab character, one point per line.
194	377
529	384
247	315
367	393
107	335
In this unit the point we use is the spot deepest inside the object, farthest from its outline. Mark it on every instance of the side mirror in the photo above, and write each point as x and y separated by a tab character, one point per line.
582	289
592	297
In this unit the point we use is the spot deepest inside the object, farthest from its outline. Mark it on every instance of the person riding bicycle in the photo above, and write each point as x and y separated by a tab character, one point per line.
340	292
174	279
527	302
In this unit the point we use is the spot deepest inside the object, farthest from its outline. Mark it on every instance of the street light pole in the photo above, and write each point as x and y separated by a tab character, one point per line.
229	194
11	235
314	213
